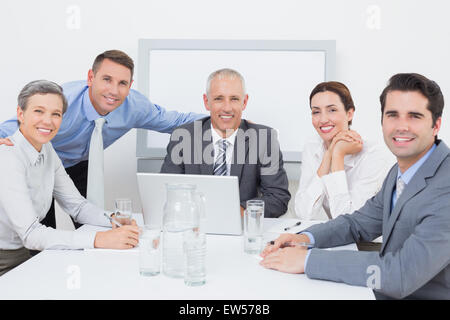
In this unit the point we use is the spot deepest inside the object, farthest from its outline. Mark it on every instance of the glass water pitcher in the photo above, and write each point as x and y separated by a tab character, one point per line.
182	212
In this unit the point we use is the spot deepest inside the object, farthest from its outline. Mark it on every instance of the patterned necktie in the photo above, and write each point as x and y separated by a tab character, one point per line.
220	167
400	186
95	186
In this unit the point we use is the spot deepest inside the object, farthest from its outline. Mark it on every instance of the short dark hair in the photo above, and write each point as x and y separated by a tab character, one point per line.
419	83
116	56
340	89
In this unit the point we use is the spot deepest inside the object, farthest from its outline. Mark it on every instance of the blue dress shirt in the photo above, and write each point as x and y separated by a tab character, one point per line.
73	139
410	172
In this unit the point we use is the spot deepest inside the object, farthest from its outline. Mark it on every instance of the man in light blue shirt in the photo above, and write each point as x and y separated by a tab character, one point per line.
106	93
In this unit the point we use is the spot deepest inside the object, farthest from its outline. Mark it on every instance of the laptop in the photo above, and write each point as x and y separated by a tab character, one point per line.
222	207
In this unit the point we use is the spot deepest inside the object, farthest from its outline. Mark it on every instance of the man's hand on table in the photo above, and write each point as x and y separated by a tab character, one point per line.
284	256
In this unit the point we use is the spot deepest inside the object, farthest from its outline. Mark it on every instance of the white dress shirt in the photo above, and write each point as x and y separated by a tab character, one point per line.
340	192
28	181
230	147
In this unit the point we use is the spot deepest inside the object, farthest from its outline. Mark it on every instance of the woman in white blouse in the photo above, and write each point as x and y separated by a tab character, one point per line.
32	173
340	171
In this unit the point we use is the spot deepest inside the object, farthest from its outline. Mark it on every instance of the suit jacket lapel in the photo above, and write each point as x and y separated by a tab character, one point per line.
237	166
417	184
387	196
207	166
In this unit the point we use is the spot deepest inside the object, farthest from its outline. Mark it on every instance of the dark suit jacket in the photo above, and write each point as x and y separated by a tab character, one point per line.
414	261
257	161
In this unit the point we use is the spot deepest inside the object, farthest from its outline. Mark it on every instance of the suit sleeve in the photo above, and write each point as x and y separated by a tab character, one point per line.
397	273
364	224
176	151
274	184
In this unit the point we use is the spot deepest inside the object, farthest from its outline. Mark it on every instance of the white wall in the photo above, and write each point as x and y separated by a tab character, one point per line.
58	40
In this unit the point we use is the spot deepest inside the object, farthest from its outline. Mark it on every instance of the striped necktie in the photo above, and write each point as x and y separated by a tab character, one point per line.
220	167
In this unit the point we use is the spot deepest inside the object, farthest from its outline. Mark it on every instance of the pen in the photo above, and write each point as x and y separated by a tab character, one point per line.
293	244
113	220
297	224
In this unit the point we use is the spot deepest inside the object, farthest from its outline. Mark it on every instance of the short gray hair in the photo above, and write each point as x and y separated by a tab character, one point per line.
224	73
40	87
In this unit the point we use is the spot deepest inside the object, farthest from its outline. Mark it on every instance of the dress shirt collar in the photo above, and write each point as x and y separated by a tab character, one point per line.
89	110
32	155
411	171
216	137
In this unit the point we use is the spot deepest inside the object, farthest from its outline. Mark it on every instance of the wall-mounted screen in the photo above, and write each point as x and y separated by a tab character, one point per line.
279	76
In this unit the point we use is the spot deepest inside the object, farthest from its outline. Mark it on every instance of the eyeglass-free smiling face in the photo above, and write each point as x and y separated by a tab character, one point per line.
329	116
408	126
225	101
109	86
41	119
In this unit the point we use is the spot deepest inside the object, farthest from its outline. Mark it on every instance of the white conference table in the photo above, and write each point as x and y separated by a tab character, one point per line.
113	274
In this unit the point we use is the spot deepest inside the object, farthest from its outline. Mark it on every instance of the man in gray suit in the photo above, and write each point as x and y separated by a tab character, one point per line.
411	211
226	144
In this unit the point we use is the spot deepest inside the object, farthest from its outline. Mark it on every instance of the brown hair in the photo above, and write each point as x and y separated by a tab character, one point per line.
116	56
340	89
